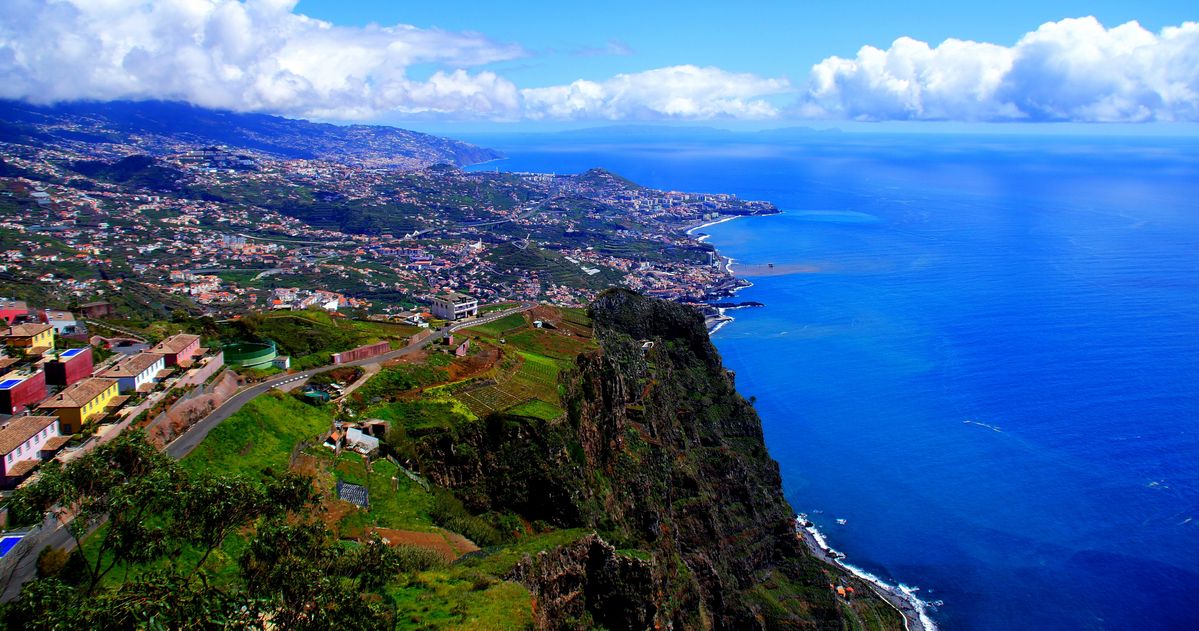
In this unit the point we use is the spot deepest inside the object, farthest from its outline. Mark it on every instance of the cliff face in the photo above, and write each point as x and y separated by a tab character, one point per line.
661	456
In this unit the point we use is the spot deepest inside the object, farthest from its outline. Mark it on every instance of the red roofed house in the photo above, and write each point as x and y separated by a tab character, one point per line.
24	443
179	349
136	373
31	339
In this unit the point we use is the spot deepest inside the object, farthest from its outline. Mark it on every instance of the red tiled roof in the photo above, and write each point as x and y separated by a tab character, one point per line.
79	394
22	429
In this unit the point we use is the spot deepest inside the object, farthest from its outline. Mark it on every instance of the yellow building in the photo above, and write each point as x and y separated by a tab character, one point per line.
81	402
31	339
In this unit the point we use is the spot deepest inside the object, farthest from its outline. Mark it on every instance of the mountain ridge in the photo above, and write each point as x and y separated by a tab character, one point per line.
162	127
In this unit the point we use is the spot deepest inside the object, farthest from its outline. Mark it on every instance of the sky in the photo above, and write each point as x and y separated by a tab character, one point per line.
530	64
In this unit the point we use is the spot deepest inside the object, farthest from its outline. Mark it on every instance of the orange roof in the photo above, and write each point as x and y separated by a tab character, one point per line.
176	343
28	330
21	468
21	430
54	442
132	366
79	394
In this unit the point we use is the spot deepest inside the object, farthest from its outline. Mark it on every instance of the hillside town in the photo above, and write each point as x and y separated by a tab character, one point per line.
214	231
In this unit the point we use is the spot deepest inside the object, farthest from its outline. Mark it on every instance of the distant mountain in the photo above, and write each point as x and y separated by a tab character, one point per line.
157	127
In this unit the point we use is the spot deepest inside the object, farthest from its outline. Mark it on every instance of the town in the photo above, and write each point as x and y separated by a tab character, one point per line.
215	231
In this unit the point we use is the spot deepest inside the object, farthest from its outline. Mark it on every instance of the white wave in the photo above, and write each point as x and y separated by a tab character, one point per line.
905	592
710	224
993	428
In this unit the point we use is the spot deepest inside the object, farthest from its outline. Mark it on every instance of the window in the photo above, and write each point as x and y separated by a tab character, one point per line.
10	458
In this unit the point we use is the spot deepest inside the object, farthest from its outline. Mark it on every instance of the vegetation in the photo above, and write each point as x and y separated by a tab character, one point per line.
260	436
291	574
392	381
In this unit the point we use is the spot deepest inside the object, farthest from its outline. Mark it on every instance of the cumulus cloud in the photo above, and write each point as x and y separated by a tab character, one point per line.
1072	70
689	92
256	55
260	55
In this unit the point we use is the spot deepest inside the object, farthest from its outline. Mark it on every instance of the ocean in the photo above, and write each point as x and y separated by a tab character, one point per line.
980	352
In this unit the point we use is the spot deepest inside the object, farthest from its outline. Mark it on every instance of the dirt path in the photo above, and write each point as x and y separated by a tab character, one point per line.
368	371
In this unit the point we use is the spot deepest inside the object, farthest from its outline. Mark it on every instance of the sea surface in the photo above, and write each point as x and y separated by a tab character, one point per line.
981	352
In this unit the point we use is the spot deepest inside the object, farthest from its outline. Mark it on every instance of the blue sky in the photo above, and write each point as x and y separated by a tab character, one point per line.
772	38
539	64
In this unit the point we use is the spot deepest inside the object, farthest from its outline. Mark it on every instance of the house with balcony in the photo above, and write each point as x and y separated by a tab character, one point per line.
83	402
454	306
30	339
179	350
136	373
25	443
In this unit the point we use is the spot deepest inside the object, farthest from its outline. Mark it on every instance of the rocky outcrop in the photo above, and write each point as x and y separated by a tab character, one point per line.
662	458
586	583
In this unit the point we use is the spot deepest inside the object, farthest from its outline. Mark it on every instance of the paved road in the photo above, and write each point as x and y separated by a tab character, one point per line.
183	445
26	567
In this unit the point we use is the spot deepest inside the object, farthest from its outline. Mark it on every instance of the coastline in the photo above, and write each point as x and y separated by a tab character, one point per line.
701	238
901	597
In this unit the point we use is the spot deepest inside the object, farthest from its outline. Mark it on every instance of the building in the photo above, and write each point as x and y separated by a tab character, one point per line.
31	339
360	441
69	366
12	309
179	349
137	373
64	322
24	444
98	309
82	402
20	391
455	306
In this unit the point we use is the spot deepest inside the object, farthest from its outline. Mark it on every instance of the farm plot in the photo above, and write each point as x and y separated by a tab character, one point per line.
488	399
536	377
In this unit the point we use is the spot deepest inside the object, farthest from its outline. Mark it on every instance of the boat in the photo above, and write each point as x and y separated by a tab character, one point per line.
840	522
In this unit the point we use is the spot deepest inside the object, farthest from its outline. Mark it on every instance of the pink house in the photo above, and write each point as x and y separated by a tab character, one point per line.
179	349
24	443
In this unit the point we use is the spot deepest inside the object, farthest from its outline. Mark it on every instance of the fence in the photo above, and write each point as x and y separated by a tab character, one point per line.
362	352
191	407
419	337
198	376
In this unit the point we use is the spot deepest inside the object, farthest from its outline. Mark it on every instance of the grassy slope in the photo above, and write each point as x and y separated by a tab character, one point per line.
260	435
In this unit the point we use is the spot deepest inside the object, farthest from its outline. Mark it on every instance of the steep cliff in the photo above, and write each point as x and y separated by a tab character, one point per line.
666	462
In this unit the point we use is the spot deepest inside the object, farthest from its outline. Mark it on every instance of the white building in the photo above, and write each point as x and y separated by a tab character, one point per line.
24	443
455	306
137	373
360	441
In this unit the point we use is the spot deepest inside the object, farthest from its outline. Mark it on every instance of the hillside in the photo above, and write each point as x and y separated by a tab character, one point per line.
570	470
158	127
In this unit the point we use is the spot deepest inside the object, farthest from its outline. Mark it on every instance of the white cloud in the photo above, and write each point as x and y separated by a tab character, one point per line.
687	92
258	55
1072	70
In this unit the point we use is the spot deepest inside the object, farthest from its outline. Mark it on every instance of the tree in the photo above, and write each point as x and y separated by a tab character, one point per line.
129	506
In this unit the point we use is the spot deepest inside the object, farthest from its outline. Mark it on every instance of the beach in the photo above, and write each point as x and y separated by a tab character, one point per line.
915	617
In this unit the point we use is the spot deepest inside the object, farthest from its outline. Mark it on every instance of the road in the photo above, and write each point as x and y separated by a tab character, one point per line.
26	567
183	445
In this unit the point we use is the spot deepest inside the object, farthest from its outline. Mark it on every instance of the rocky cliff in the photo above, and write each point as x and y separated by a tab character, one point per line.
666	462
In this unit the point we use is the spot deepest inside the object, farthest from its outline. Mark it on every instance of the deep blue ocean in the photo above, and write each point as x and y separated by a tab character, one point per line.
982	352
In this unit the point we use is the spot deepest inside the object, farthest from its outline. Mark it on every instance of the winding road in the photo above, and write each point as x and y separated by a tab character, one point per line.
26	567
